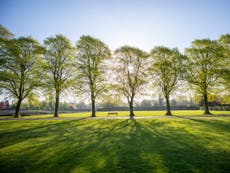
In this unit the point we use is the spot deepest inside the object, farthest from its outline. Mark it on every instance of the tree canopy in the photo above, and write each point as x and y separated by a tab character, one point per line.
204	60
166	70
5	33
58	66
90	68
92	54
224	41
20	67
130	67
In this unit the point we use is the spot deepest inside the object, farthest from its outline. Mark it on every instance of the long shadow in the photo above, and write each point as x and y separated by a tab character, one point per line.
76	150
214	123
30	131
125	156
56	132
182	152
111	146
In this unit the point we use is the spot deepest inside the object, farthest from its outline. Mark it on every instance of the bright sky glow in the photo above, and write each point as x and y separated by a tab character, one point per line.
140	23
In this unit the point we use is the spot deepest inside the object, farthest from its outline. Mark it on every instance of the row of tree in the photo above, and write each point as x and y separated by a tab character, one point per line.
56	66
109	103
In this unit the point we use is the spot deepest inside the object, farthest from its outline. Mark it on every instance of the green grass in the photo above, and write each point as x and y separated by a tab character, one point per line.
137	113
124	145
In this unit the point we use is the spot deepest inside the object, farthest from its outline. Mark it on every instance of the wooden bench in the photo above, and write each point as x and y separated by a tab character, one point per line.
112	113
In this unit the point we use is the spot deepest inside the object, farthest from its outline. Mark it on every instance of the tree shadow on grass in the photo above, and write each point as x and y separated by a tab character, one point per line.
208	121
185	153
109	146
31	129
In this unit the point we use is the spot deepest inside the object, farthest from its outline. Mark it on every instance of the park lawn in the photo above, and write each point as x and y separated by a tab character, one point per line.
137	113
181	144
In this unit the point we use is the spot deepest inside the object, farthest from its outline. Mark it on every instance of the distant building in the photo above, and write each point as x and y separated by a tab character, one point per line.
4	105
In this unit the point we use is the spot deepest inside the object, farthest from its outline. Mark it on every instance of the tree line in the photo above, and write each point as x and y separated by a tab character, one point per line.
91	67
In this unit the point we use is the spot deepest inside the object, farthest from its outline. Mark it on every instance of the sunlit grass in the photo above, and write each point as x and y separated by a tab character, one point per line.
137	113
126	145
199	112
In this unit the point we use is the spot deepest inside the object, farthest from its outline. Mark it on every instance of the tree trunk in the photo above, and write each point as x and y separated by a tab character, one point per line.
168	106
56	105
206	108
131	108
16	115
93	106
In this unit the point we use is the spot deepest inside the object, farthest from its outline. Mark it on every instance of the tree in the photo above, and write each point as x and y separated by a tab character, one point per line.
224	89
224	41
203	62
33	101
5	36
20	59
130	72
146	103
58	66
82	105
5	33
91	64
174	102
161	101
111	100
166	69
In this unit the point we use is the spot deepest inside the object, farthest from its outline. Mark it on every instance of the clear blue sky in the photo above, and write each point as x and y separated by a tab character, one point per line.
140	23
